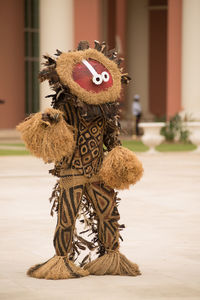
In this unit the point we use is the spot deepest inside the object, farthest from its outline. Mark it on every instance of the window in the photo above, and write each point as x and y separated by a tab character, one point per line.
31	32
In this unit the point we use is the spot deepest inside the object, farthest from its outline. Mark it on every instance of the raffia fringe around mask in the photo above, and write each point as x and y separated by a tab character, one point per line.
121	168
48	140
112	263
58	267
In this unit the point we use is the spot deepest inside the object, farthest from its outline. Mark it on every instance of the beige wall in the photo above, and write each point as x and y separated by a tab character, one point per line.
56	32
137	48
191	58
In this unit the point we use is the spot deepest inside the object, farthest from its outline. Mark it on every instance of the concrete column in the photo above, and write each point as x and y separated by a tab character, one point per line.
173	103
56	32
191	58
137	48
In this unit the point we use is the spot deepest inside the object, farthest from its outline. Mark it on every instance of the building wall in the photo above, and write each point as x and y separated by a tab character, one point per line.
191	58
87	21
12	63
153	57
56	32
157	57
137	49
174	55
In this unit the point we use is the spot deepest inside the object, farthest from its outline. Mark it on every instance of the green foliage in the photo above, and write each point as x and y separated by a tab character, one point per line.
8	152
12	145
175	147
175	130
135	146
184	136
138	146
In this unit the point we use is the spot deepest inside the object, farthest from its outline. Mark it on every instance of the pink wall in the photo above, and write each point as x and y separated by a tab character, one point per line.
87	21
174	57
121	15
88	18
12	63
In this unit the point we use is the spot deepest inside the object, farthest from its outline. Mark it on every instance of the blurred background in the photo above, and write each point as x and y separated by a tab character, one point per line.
159	39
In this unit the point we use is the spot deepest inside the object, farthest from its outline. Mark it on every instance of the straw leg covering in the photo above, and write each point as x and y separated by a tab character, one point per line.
104	203
59	266
69	203
103	199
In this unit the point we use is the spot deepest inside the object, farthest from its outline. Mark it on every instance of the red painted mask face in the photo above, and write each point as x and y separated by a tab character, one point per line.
92	76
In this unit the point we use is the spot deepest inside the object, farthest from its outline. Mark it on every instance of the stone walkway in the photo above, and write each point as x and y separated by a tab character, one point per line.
7	147
162	235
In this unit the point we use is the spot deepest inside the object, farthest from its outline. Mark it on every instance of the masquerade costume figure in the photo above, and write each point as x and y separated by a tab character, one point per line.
80	135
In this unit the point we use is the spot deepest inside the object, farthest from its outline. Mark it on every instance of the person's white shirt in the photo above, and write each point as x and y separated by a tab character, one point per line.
136	108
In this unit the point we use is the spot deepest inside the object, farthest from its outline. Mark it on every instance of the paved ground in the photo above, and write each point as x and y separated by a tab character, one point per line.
162	214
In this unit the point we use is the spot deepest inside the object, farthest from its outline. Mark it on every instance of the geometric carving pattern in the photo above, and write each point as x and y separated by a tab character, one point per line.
103	201
69	203
104	204
90	139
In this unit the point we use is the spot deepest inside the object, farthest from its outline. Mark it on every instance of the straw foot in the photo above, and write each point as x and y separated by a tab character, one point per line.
112	263
58	267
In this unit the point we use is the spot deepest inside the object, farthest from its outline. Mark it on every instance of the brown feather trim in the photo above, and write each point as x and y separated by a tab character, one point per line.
83	45
55	196
125	78
97	45
104	48
58	52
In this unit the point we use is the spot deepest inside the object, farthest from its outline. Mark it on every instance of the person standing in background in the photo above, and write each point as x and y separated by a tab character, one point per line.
137	112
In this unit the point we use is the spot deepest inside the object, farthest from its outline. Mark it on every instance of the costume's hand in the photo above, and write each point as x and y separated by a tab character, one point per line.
48	135
120	168
50	117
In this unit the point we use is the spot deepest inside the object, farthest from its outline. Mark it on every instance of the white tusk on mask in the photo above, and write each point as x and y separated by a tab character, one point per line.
97	78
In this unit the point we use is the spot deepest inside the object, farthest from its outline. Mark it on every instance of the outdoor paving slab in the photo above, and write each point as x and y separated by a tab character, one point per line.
162	217
7	147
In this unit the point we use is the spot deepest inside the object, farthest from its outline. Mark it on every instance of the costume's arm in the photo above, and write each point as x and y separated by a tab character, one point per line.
47	135
111	135
120	167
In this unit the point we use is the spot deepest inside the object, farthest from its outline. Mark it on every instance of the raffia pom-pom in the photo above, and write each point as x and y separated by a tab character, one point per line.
58	267
112	263
48	140
120	168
